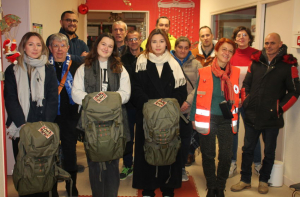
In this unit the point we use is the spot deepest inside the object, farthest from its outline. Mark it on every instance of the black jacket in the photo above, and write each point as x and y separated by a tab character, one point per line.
147	85
271	89
129	62
45	113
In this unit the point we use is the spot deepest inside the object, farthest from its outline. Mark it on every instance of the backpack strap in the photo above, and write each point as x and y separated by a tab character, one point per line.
63	80
187	78
184	118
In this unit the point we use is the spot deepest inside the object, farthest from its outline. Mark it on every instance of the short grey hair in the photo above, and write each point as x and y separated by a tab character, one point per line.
120	23
58	37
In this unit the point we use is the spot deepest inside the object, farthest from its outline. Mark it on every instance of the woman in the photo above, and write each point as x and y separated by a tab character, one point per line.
26	98
217	83
157	75
190	68
103	55
67	116
243	38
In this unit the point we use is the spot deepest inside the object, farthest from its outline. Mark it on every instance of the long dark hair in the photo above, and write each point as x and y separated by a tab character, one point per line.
114	60
148	45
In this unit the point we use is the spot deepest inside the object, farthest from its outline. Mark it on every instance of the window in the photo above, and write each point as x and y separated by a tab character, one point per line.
225	23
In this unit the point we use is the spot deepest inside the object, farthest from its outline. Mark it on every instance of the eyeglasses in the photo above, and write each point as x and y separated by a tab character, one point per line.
241	35
70	20
133	39
56	46
227	50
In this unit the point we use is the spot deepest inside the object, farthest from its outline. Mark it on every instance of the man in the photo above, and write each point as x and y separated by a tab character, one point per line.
133	40
119	31
271	87
78	49
67	116
205	51
163	23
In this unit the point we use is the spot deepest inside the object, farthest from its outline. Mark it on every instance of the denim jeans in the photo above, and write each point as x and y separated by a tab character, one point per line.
185	135
108	186
257	151
127	157
221	128
250	140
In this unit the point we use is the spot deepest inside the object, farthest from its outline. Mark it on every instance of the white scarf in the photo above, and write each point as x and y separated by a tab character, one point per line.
37	87
166	57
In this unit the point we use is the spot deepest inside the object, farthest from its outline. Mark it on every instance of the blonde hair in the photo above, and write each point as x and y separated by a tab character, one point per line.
21	49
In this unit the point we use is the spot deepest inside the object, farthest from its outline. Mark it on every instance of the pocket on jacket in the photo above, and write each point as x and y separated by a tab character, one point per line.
271	109
246	102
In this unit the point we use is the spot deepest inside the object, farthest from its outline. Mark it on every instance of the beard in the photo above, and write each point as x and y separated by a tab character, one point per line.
70	32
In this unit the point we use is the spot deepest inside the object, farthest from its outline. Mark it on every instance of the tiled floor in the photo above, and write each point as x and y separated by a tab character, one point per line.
195	170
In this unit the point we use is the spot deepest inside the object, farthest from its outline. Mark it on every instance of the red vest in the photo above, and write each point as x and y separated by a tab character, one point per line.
204	97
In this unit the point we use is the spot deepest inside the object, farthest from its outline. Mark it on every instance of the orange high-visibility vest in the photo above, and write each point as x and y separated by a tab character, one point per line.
204	97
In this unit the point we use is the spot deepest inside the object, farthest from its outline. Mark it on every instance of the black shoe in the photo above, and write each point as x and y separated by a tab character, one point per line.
190	159
211	193
220	193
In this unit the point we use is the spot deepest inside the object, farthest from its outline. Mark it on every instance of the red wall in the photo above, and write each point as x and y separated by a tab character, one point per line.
183	21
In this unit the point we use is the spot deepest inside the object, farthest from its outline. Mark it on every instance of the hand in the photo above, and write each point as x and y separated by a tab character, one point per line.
84	53
184	106
193	123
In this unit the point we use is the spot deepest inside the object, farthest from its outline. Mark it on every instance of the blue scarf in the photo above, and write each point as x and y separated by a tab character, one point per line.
69	80
178	60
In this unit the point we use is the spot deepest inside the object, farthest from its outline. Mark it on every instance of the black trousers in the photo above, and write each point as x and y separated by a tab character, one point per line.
68	138
185	135
220	128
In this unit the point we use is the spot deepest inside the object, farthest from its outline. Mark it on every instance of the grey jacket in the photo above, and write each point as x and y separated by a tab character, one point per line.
190	68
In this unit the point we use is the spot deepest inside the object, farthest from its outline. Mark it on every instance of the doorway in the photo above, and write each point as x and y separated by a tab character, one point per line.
101	21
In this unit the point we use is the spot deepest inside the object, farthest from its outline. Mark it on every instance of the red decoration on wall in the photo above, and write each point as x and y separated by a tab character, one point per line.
189	18
83	9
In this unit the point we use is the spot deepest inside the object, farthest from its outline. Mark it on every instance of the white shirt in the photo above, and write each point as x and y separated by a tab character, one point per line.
78	90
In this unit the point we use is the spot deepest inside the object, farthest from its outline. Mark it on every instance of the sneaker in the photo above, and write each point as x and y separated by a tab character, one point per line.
184	175
263	187
126	172
240	186
232	170
257	169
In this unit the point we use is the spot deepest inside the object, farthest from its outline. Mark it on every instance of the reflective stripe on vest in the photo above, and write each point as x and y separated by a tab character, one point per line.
202	112
234	123
202	124
235	111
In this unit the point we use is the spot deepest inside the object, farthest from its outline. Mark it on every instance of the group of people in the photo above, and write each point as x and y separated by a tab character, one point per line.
261	85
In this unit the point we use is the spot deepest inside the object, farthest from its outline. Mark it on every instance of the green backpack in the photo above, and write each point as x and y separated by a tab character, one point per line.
161	129
102	122
35	170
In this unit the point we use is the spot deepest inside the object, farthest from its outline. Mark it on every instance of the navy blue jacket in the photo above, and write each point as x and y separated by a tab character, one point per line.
77	46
